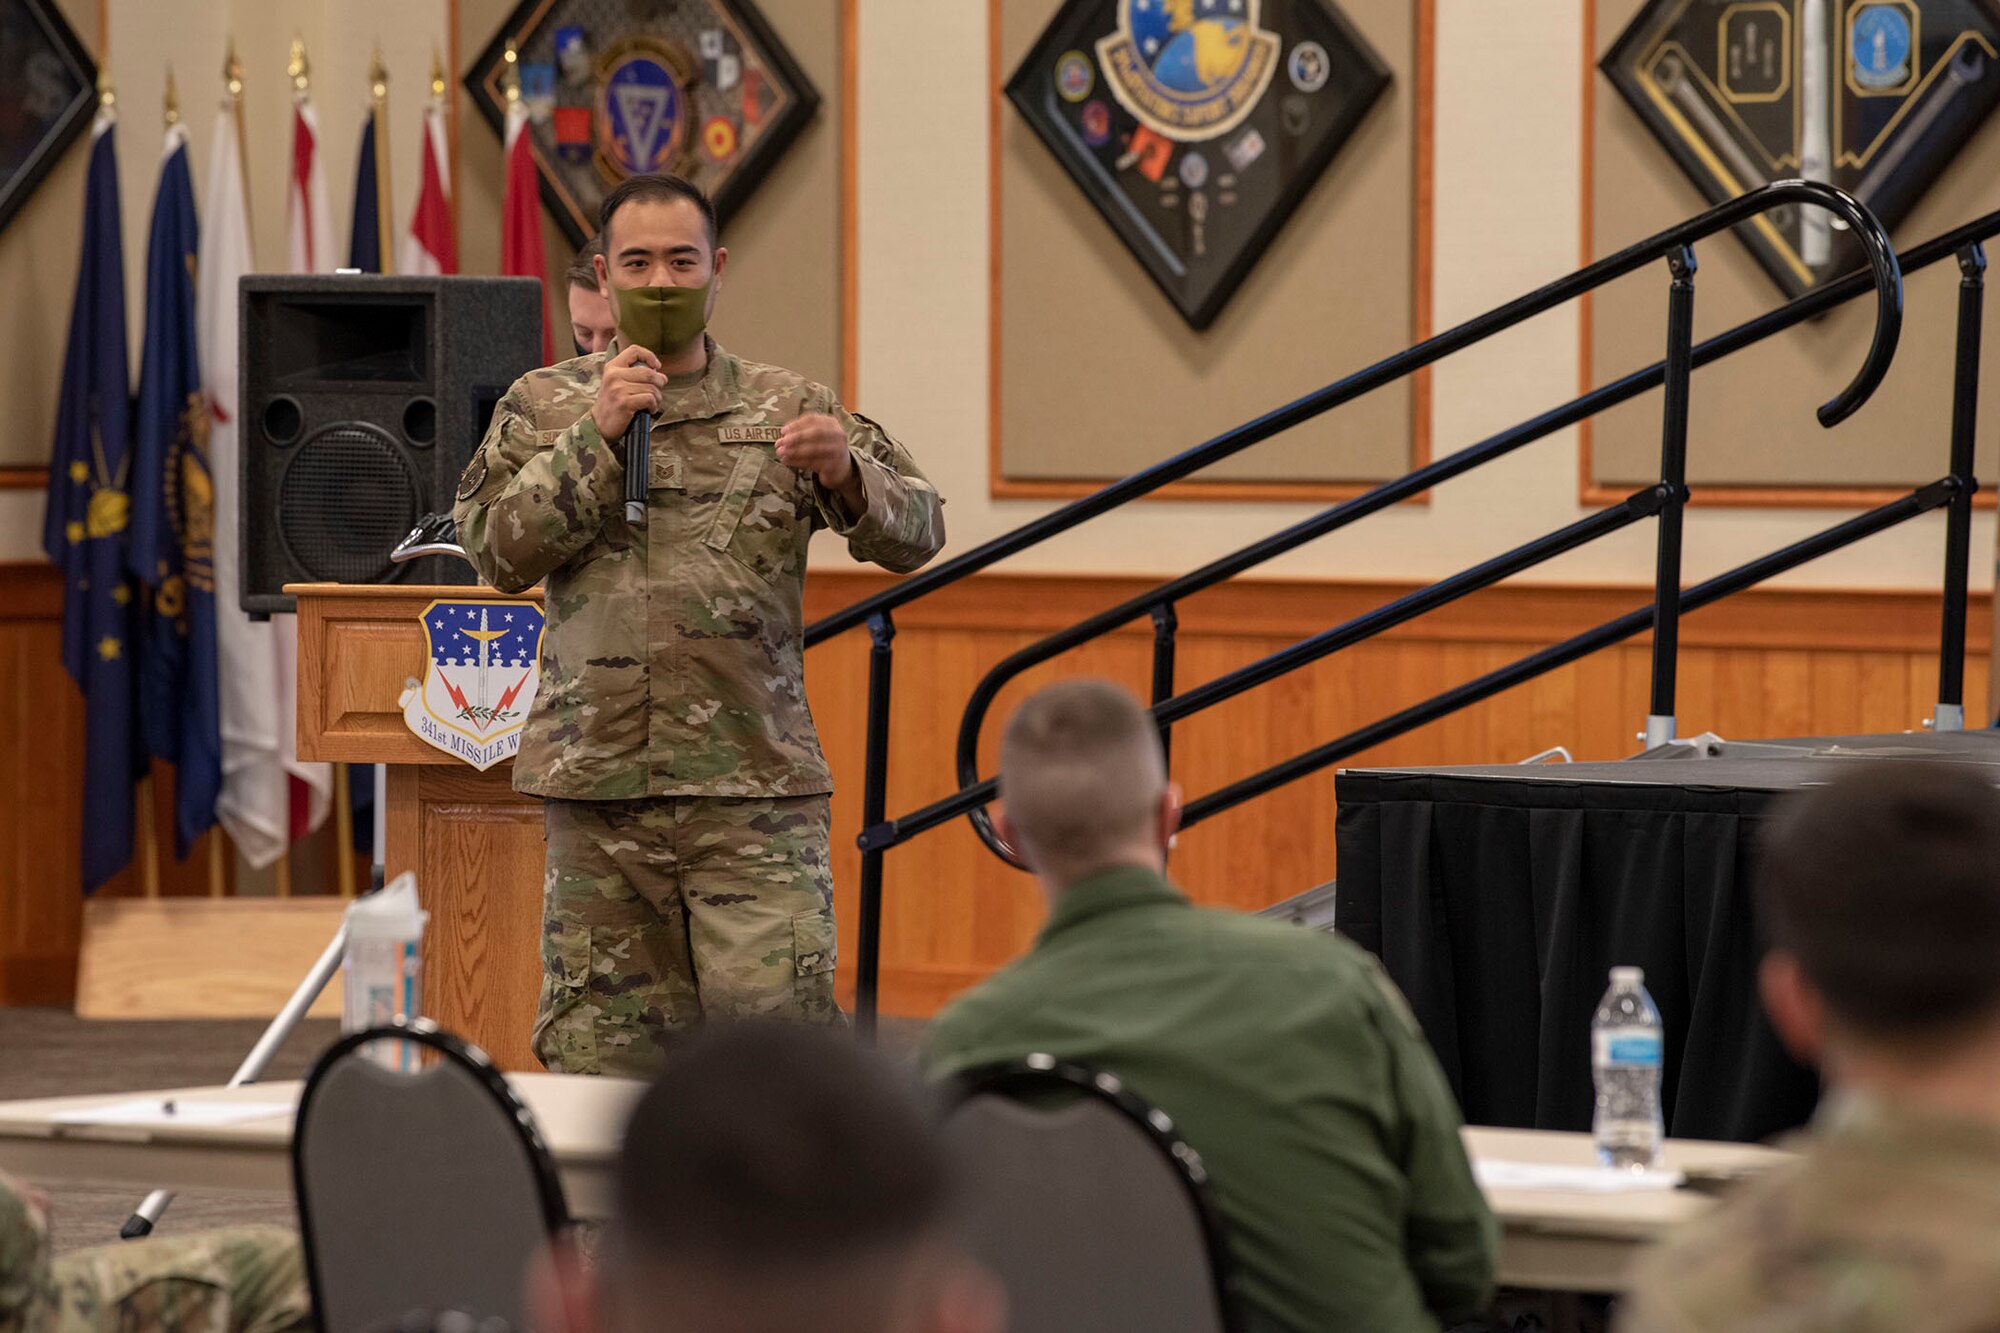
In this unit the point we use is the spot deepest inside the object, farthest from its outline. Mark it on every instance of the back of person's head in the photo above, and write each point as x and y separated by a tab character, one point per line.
1882	890
779	1178
582	270
1083	781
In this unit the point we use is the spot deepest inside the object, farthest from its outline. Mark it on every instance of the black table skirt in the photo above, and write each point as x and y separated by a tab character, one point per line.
1500	904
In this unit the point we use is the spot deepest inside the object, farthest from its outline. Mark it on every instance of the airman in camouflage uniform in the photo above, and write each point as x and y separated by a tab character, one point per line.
686	795
247	1279
1890	1223
1879	894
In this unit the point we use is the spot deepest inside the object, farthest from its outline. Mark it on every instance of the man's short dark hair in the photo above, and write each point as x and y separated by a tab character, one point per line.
769	1157
1885	885
654	187
581	272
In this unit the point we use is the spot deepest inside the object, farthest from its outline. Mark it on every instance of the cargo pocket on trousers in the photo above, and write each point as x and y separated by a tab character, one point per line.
813	952
565	1038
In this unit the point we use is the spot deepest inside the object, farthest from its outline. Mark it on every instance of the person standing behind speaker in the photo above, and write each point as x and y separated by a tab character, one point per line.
592	321
686	795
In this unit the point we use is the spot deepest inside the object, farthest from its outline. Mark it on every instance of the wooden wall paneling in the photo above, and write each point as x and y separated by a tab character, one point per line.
1768	664
41	818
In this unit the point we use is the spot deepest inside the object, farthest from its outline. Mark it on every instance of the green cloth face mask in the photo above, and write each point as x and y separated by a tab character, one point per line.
663	320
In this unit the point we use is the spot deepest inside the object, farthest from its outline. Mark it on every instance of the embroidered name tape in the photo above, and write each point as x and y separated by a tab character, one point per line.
749	434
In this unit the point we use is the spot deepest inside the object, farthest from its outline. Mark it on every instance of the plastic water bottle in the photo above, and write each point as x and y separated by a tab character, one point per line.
382	974
1627	1051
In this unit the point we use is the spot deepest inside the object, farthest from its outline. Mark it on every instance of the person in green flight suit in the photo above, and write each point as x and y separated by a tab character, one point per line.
1284	1056
686	794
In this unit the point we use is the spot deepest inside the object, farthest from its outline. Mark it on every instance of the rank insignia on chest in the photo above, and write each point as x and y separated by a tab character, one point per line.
749	434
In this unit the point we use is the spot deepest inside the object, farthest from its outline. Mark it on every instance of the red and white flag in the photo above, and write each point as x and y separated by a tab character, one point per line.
308	216
309	228
521	249
430	249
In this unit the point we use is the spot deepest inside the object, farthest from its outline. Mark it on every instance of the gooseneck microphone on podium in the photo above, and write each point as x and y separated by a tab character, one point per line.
638	466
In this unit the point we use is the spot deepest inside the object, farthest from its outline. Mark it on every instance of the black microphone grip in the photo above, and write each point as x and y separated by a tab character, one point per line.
638	466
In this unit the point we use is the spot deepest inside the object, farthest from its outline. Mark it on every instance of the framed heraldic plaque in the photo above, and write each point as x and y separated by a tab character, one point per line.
1194	127
1753	437
47	92
701	88
1875	96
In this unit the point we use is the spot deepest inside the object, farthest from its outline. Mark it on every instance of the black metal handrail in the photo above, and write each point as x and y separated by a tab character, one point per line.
1664	500
1159	602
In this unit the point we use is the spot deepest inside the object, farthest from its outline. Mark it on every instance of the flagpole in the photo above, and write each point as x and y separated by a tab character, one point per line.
149	847
232	80
378	92
343	830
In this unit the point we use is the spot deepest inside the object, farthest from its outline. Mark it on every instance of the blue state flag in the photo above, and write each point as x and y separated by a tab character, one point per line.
85	530
364	251
364	242
172	547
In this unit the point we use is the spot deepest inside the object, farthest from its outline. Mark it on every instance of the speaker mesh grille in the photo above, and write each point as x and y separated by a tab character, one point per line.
347	497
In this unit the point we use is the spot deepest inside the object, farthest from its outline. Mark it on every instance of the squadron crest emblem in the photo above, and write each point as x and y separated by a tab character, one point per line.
1189	69
479	680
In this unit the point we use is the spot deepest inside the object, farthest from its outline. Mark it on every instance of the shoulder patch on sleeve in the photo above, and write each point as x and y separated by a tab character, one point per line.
473	477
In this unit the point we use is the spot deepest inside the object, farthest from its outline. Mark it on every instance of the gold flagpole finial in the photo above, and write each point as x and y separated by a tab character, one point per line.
510	77
173	100
437	74
299	71
107	98
232	73
378	79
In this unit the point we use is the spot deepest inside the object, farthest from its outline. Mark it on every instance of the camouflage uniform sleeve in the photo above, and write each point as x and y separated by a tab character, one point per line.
524	508
903	526
27	1287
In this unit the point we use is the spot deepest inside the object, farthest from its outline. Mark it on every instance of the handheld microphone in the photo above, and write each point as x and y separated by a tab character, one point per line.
638	466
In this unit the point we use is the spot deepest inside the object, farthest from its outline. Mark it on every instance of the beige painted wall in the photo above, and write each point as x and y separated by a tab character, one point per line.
1152	386
38	250
1756	410
1507	220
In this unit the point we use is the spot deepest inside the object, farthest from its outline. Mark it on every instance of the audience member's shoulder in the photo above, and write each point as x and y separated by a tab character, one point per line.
1724	1271
1283	941
1320	958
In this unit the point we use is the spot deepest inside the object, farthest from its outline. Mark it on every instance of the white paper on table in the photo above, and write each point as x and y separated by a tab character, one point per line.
172	1111
1503	1175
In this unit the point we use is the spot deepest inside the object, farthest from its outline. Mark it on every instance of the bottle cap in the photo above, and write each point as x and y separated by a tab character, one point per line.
388	914
1628	976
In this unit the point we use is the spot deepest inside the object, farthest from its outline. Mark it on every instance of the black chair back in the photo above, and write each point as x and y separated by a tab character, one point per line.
1086	1203
426	1190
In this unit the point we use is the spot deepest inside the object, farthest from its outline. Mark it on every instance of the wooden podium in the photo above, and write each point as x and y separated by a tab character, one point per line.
473	841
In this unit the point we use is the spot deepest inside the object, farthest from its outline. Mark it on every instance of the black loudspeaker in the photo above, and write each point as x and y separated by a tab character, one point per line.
363	398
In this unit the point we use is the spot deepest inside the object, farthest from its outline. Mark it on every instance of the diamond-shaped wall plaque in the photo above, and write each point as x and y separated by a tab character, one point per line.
1875	96
46	95
700	88
1196	126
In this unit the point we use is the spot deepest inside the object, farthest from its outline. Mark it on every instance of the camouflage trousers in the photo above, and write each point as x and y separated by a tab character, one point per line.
231	1280
663	912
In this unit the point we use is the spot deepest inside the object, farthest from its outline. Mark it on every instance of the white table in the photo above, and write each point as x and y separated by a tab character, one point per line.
1554	1239
1564	1240
580	1120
